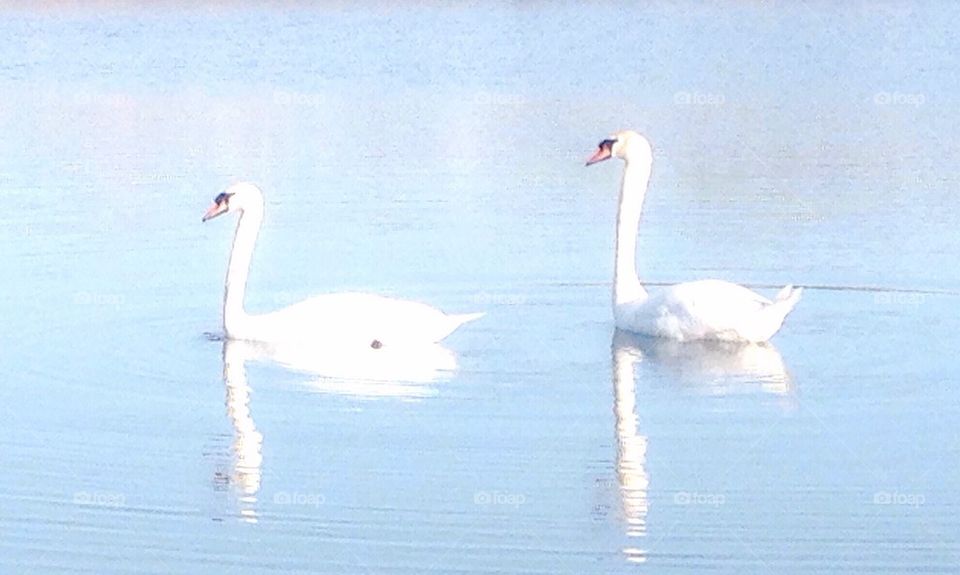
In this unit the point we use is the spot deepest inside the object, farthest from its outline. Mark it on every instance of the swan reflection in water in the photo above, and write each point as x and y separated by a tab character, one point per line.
405	373
716	367
245	471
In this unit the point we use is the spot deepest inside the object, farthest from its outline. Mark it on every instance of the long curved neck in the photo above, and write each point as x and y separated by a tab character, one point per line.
633	189
244	240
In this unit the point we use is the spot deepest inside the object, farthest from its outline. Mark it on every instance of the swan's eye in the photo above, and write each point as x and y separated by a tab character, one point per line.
607	143
223	197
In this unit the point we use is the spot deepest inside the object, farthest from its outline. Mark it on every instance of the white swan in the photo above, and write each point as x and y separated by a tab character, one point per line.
339	319
705	309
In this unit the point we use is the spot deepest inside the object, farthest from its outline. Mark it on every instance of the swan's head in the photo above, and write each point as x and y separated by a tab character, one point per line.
236	198
626	145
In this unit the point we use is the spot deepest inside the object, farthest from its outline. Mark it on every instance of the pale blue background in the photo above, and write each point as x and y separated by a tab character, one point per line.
436	153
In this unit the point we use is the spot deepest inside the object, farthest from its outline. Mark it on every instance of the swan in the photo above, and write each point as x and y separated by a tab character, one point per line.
698	310
337	319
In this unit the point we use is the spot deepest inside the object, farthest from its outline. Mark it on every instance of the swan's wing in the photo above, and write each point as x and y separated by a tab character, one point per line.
708	308
717	293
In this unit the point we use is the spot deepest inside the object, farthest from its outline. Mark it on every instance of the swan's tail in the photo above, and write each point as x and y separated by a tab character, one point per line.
462	318
454	321
787	298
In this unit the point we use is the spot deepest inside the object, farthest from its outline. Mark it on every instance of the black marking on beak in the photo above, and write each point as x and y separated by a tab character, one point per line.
221	205
608	143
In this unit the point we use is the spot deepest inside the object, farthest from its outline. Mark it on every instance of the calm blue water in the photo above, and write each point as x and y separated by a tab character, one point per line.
437	154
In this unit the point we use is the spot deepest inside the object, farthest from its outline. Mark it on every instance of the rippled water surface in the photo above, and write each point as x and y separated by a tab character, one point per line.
437	154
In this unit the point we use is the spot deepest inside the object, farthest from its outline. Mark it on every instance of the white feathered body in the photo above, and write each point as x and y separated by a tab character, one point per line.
707	309
352	319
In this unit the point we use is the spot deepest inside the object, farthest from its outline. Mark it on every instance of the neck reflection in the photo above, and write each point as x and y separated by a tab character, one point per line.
714	368
632	477
245	472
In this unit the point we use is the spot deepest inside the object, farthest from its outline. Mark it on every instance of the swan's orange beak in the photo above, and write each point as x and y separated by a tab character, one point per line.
215	210
602	153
